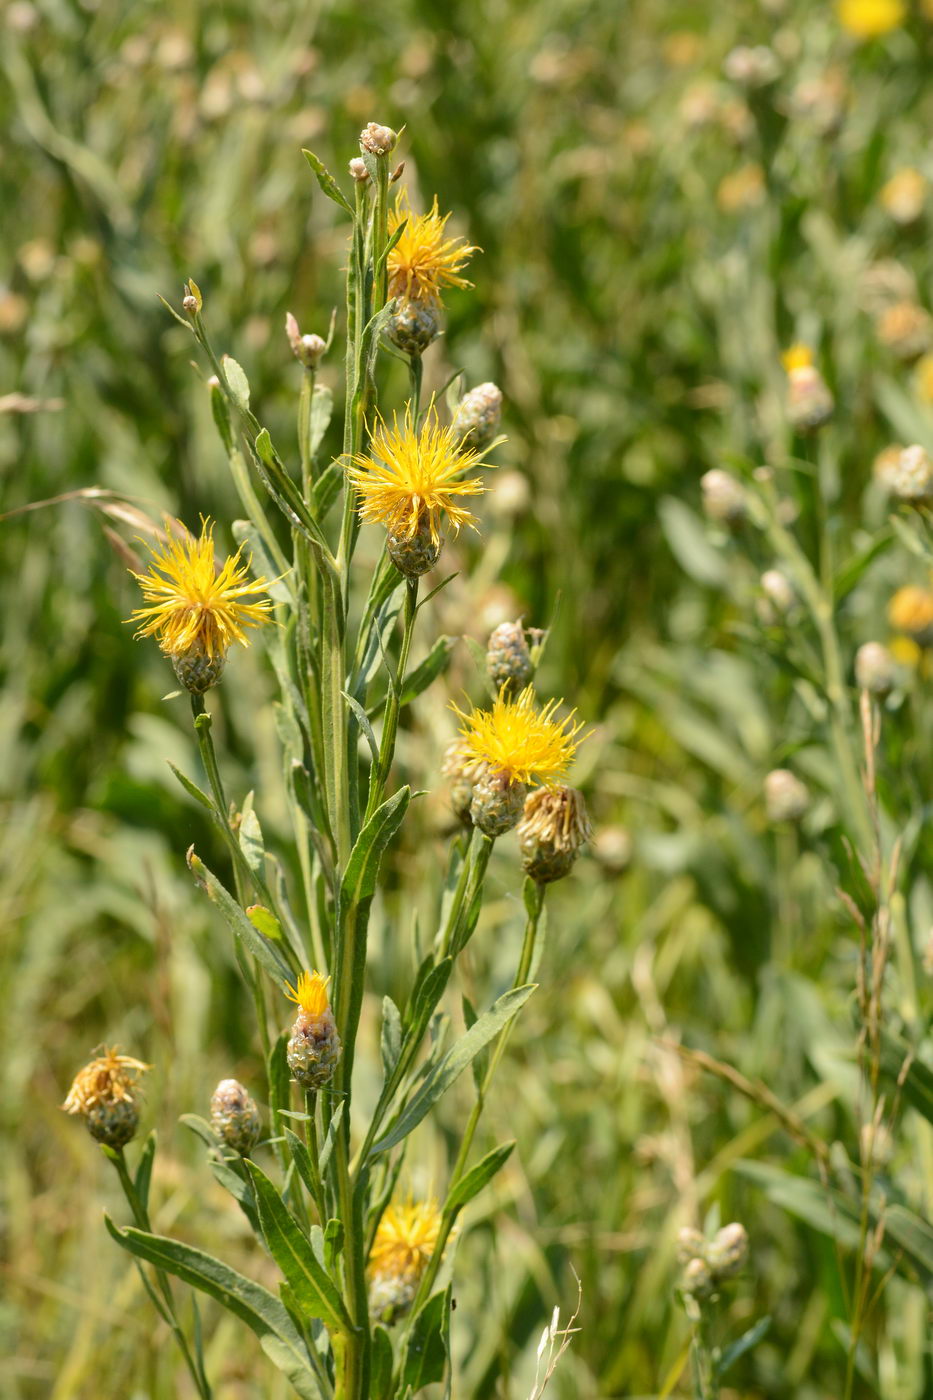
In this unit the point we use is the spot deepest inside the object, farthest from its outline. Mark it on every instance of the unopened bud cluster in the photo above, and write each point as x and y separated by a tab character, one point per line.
235	1117
786	797
508	659
477	415
709	1263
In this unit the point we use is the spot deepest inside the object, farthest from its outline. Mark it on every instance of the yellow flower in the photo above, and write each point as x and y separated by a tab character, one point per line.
109	1079
520	741
423	260
911	611
405	1241
797	357
411	475
903	195
310	993
195	607
867	19
923	378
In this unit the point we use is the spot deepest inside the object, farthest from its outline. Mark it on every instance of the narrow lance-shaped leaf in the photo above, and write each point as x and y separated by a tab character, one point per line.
265	953
477	1177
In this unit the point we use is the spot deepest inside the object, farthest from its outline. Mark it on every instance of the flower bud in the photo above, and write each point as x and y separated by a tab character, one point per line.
413	325
235	1117
778	597
698	1279
751	67
728	1251
106	1095
884	467
508	659
478	413
723	497
314	1047
786	797
498	802
308	349
377	140
911	480
691	1244
462	771
413	555
357	168
553	829
875	669
809	402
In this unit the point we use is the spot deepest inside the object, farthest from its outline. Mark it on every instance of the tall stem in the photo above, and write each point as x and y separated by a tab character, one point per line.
381	769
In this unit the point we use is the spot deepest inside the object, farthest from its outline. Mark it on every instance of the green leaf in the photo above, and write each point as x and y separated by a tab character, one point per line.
359	880
433	665
191	788
202	1129
900	1068
439	1080
322	406
327	182
854	569
686	536
143	1177
362	720
477	1177
429	987
231	1181
261	562
913	1235
391	1040
249	1301
303	1379
325	489
251	842
303	1163
382	1364
427	1350
265	922
280	1092
265	953
744	1344
237	382
330	1138
315	1291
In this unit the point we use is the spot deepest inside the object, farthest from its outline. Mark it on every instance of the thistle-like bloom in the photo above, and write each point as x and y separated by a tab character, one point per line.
911	611
413	474
404	1243
869	19
314	1047
553	829
424	261
198	611
235	1117
518	740
106	1095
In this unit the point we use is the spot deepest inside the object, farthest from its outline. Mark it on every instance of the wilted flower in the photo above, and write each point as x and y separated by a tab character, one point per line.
406	1238
875	668
884	467
906	328
314	1047
409	478
106	1095
235	1117
553	829
911	479
786	797
424	261
197	610
911	611
378	140
869	19
904	194
723	497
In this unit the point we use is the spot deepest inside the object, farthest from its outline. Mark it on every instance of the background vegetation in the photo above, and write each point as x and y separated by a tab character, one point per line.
654	234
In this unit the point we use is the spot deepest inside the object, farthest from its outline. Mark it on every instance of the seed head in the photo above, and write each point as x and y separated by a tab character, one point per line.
424	261
378	140
875	669
884	467
198	610
106	1095
314	1048
405	1241
751	67
553	829
911	480
478	413
786	797
723	497
235	1117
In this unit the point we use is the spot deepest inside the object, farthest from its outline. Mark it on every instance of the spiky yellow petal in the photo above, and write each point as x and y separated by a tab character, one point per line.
195	605
310	993
415	473
110	1078
515	738
797	357
868	19
423	260
405	1239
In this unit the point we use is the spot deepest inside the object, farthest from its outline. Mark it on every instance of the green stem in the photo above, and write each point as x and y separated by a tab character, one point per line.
314	1153
415	373
141	1217
380	773
457	927
705	1369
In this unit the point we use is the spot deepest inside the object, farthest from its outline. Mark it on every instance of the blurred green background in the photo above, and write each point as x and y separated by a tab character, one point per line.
654	233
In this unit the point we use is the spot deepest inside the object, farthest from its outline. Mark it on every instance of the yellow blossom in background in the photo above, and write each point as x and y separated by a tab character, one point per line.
310	993
797	357
424	261
868	19
520	741
743	189
923	378
196	606
412	474
904	194
911	611
905	652
405	1240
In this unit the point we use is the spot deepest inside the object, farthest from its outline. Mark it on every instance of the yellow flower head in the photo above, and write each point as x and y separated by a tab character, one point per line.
526	744
868	19
797	357
911	611
412	474
195	606
405	1240
423	260
310	994
111	1078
